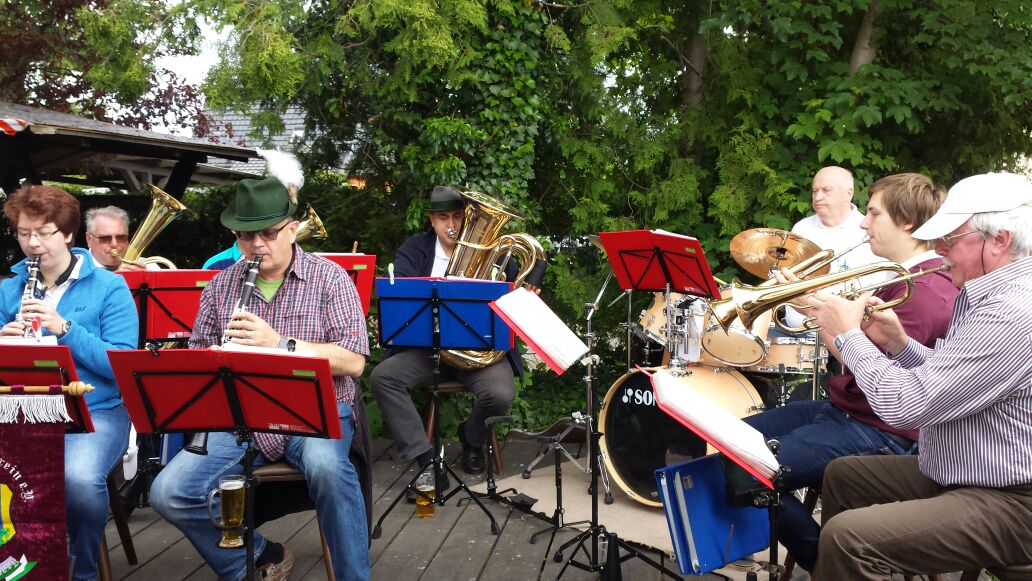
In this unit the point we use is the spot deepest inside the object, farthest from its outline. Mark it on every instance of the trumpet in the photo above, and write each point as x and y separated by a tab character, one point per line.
30	292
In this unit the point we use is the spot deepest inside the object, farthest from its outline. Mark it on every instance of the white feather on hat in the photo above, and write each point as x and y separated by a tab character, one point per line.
286	168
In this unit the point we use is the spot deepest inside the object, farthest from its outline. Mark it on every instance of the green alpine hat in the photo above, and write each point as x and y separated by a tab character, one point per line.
444	198
257	205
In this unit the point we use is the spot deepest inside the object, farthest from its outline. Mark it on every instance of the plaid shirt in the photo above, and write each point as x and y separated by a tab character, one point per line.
317	303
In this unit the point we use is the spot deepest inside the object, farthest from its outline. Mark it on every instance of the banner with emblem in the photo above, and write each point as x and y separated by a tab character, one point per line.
33	540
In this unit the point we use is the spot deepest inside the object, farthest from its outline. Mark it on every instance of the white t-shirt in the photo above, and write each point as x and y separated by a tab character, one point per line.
441	259
838	238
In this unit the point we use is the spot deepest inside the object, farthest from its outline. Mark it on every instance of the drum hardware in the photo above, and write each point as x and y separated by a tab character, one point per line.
555	444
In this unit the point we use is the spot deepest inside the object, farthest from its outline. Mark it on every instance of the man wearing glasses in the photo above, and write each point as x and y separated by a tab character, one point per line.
965	502
303	302
107	231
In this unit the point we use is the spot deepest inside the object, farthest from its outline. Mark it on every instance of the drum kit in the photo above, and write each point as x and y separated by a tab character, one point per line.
743	369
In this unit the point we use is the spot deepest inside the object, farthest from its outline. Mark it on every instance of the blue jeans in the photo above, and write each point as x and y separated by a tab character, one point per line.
89	458
812	434
180	495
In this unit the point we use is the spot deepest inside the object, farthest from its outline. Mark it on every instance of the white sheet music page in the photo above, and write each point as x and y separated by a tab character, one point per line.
718	424
542	329
232	346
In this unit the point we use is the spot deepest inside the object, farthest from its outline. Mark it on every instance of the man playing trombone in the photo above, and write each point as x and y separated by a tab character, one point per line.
303	302
966	501
813	433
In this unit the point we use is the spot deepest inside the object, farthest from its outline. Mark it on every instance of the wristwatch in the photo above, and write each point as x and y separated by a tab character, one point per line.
840	339
67	326
289	344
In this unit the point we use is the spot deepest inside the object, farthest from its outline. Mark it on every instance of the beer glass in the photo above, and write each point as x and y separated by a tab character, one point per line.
232	491
425	505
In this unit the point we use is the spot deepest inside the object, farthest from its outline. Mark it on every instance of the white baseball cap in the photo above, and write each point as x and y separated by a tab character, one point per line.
988	192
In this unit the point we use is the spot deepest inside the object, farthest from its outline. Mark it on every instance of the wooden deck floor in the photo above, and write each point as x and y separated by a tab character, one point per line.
456	544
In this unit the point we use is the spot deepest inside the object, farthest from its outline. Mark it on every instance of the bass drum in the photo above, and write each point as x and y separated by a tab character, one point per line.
638	437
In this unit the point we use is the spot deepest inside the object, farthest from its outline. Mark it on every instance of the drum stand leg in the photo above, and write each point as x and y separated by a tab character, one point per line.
553	442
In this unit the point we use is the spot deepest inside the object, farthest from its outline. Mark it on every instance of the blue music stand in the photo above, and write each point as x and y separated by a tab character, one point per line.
440	314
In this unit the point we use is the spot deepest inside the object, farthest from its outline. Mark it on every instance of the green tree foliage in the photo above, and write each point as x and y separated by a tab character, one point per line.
694	116
86	57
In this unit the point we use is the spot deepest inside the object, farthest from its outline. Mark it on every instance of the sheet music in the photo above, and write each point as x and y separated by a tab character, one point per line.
30	341
719	425
541	328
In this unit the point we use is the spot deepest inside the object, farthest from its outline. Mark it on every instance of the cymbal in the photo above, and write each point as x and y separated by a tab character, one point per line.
597	241
761	249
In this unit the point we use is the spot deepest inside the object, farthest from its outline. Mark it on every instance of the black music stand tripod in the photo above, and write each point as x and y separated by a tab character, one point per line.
481	340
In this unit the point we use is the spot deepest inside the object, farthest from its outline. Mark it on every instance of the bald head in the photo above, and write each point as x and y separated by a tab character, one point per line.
833	195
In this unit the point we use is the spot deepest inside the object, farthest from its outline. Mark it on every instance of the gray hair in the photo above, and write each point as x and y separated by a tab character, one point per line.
109	211
1017	221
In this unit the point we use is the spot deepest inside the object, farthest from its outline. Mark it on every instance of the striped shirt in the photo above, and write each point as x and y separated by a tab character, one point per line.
317	303
971	396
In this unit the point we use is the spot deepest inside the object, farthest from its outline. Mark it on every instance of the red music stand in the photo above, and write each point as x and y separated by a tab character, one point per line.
45	365
360	267
185	390
655	260
167	301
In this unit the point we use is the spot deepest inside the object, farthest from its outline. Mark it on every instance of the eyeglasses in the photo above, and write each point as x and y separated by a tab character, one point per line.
41	236
268	235
947	241
119	238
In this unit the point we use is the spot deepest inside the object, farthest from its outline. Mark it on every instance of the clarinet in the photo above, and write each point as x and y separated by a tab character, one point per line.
197	442
30	292
244	301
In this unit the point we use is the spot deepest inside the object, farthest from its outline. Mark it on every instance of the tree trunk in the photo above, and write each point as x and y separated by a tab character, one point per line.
694	78
864	50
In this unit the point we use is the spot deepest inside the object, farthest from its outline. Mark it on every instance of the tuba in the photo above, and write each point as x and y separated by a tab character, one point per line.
311	227
478	250
164	209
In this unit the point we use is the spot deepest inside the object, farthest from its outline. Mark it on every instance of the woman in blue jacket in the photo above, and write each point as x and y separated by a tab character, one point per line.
91	311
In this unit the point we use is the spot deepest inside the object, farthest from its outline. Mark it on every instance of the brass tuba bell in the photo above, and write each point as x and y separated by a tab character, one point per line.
481	253
164	208
311	227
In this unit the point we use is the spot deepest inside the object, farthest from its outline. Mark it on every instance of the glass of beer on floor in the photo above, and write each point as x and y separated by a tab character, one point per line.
425	504
231	490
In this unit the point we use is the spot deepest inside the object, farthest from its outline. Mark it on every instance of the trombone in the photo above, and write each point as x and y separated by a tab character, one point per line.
748	302
853	294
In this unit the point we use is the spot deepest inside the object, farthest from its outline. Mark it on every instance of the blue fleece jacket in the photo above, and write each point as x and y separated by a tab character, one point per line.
103	316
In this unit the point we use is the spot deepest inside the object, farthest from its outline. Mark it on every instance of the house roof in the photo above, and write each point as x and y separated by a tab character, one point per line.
48	145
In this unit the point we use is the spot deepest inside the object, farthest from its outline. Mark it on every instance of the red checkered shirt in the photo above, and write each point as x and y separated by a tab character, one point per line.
317	303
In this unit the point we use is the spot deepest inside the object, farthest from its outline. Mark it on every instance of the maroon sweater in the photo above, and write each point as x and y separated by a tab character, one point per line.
925	318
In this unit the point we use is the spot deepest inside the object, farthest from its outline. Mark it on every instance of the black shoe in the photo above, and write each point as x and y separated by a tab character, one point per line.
442	477
472	456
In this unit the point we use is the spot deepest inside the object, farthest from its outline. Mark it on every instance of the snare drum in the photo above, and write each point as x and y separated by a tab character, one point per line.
797	354
638	437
